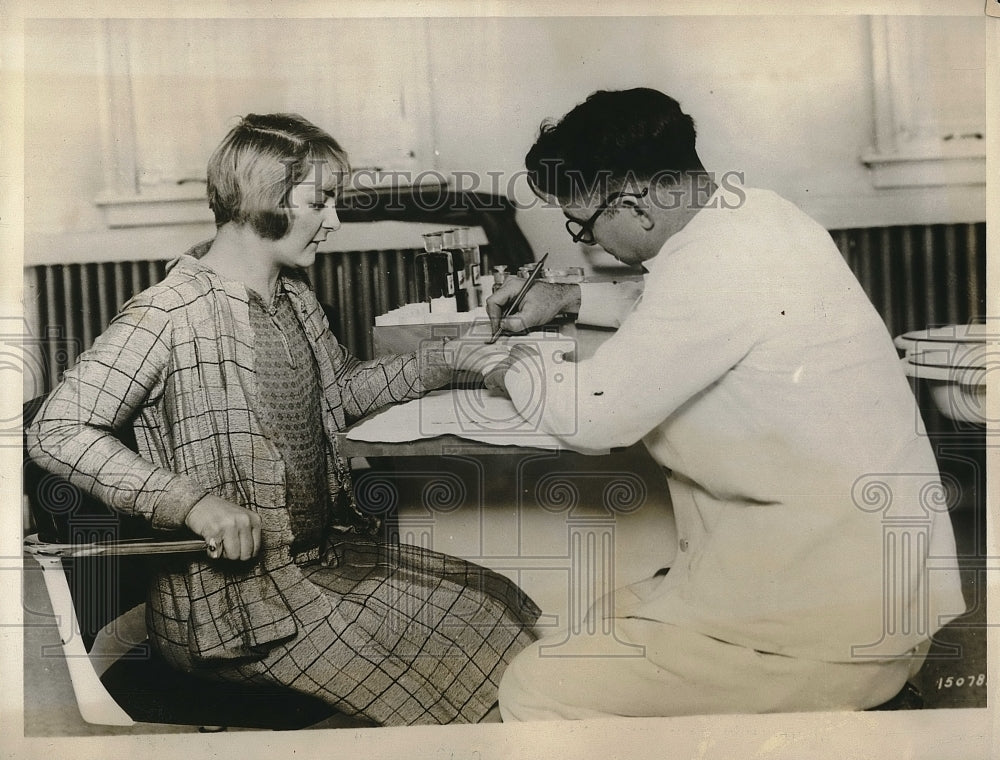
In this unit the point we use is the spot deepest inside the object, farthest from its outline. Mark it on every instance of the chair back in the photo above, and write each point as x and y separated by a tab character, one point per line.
102	587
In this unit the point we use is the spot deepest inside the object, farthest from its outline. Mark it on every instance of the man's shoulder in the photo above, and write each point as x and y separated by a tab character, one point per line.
760	221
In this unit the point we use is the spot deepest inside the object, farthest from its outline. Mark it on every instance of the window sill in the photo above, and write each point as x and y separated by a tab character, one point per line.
183	204
917	167
164	205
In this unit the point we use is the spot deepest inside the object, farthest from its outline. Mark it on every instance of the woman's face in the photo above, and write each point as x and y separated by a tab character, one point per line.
313	218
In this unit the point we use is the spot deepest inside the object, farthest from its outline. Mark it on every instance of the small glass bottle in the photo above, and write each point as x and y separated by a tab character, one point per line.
470	258
524	271
458	267
438	275
500	275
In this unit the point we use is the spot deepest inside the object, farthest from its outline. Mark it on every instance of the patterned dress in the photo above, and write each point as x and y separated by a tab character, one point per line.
418	636
239	398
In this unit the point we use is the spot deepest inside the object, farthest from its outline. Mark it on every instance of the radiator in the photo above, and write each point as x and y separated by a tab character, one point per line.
920	275
915	275
68	305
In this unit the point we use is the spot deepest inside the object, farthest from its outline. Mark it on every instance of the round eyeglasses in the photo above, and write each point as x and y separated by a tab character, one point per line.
583	232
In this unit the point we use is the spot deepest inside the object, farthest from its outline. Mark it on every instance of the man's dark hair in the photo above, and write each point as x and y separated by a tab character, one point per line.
610	138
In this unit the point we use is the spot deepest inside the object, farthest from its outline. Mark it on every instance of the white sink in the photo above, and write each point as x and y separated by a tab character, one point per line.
953	361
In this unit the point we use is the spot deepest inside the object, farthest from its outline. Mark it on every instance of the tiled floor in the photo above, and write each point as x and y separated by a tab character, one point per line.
526	519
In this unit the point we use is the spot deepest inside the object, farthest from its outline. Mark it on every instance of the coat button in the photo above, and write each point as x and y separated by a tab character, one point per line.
684	544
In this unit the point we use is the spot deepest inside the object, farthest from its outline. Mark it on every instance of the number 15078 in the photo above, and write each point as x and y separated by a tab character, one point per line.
958	681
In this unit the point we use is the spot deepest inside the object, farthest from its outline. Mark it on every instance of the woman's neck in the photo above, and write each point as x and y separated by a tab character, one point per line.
240	255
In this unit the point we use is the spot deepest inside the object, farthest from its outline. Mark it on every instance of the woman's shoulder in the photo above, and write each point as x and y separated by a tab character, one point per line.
169	294
178	290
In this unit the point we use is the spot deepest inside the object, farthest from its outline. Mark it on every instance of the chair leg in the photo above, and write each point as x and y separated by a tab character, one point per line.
95	704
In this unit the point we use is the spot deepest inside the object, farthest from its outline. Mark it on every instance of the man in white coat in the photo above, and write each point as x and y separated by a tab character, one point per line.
758	374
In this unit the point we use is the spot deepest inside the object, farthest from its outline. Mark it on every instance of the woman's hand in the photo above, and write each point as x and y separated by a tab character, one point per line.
471	353
230	531
495	379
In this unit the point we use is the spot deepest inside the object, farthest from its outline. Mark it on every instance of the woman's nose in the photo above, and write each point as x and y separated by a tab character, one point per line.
330	218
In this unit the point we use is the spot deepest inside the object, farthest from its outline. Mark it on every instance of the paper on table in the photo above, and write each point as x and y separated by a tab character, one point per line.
472	414
419	314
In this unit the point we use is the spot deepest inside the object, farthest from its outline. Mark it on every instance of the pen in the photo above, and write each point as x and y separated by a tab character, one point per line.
516	303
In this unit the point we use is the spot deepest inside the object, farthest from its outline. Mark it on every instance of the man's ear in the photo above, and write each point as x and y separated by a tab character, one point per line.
640	213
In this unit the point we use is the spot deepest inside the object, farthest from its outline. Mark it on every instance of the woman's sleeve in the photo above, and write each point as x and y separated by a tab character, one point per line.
366	386
73	433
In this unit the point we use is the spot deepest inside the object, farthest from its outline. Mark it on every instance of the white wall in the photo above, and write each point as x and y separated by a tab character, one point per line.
786	100
62	141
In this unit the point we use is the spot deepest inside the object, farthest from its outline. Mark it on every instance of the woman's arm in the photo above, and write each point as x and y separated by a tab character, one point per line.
370	385
73	434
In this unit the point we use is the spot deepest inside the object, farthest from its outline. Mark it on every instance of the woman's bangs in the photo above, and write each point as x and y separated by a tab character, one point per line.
334	165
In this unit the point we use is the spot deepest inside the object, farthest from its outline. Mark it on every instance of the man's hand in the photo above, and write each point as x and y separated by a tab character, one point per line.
541	304
233	531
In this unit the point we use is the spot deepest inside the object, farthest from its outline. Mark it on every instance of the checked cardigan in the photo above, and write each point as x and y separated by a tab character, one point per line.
177	363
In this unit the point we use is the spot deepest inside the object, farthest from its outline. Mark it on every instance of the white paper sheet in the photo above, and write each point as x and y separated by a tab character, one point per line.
472	414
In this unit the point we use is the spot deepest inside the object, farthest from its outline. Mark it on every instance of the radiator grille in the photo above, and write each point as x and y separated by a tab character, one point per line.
920	275
915	275
73	303
358	285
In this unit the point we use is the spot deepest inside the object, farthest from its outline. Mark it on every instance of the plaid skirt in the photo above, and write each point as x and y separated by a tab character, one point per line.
416	637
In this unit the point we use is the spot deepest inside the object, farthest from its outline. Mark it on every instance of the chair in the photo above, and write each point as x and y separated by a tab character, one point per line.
96	565
908	698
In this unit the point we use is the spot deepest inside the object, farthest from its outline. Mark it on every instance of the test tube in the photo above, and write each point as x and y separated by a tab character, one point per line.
473	266
438	275
458	269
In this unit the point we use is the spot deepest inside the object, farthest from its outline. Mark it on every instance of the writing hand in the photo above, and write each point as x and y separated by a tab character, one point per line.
541	304
232	530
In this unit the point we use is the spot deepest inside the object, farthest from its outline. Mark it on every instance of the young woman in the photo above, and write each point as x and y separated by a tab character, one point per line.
235	387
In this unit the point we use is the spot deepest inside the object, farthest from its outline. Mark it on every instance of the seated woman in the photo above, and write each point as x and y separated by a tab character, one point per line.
235	387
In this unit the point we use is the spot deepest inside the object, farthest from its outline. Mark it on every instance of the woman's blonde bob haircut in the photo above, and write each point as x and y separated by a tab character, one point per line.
262	158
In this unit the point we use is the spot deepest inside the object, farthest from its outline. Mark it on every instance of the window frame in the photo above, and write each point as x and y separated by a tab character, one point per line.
897	158
126	202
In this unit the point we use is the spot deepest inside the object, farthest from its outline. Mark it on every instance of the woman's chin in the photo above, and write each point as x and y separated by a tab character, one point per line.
308	256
